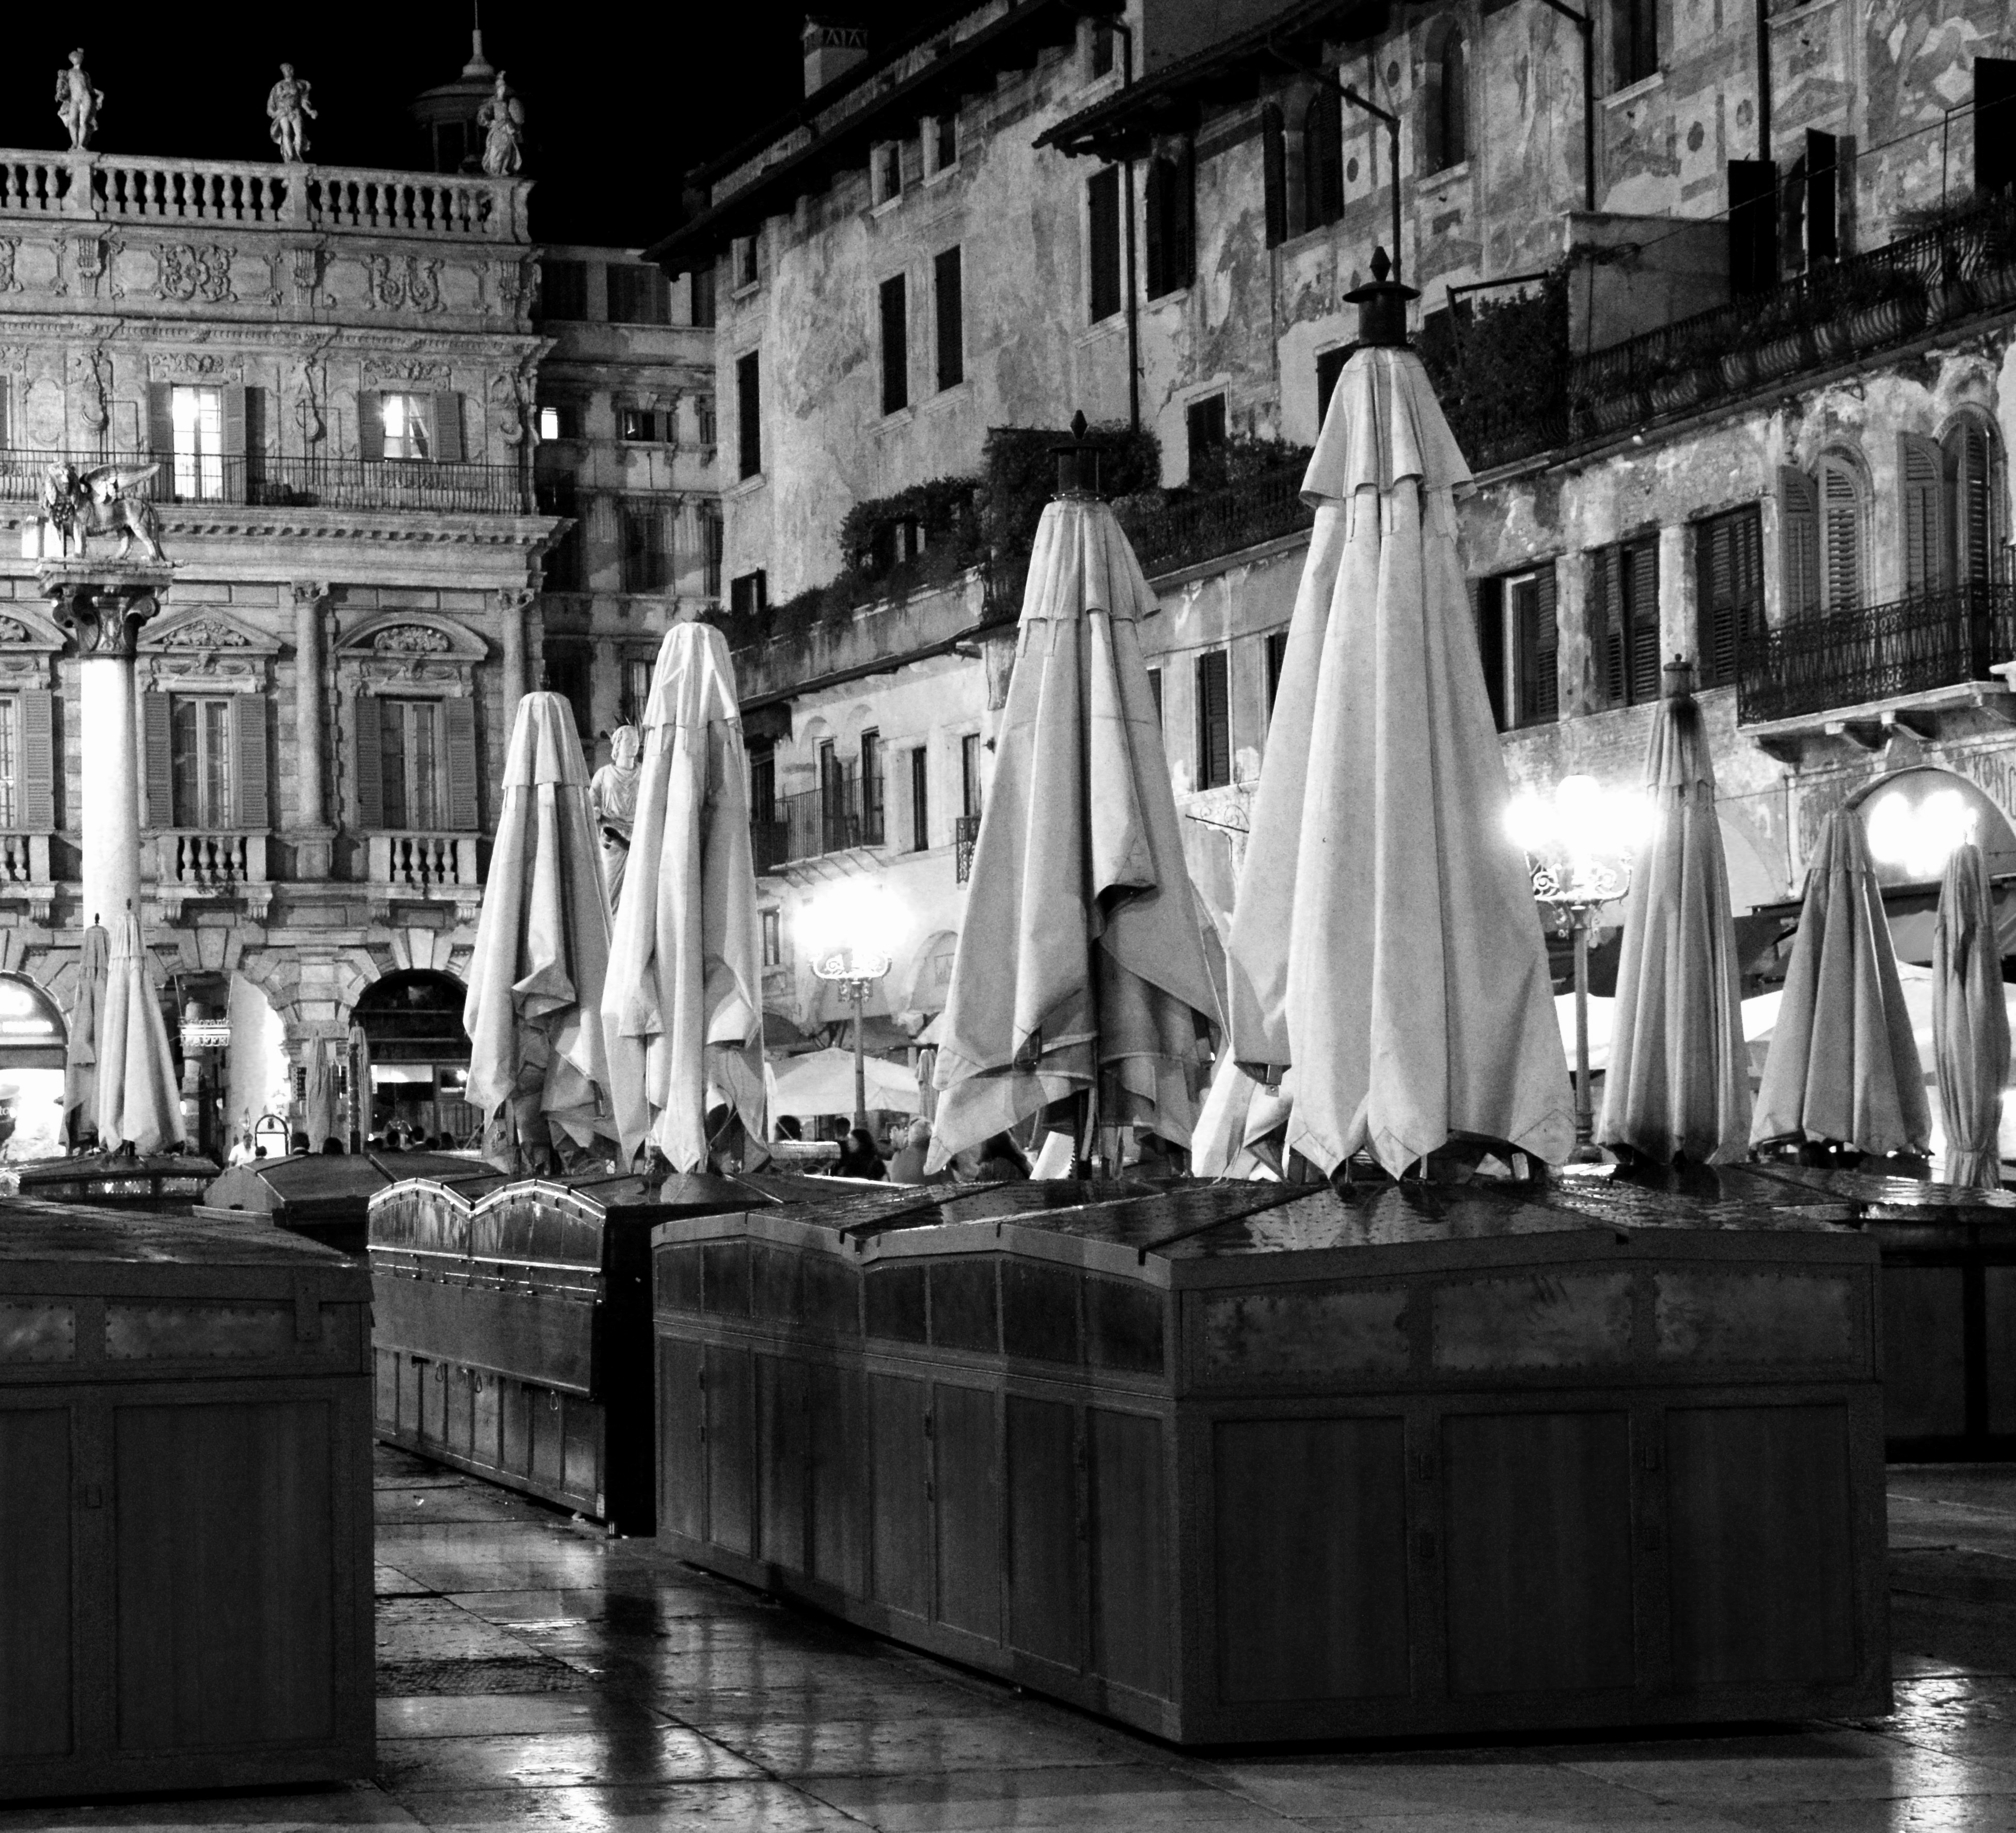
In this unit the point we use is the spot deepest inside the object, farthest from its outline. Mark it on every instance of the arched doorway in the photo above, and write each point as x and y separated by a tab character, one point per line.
419	1054
33	1037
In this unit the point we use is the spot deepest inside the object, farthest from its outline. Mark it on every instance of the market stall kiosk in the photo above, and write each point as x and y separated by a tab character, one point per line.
1240	1462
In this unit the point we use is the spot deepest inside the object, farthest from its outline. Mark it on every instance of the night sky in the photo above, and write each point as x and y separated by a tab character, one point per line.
621	98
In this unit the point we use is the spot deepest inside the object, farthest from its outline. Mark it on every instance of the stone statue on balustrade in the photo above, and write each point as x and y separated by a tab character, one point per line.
612	799
288	113
503	119
77	102
105	500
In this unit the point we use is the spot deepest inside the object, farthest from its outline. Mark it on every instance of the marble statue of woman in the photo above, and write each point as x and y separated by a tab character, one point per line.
77	102
503	119
612	797
288	111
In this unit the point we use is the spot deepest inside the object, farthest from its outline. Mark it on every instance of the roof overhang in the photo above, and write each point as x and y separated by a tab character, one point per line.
965	67
1235	71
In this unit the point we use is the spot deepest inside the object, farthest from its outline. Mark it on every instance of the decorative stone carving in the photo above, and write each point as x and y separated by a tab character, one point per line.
77	102
309	414
503	119
101	609
288	113
391	368
309	592
203	365
203	633
10	248
104	500
189	272
94	252
392	283
411	639
92	370
13	630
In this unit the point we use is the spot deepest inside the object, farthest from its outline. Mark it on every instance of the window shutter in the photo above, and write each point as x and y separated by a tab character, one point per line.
250	810
1322	159
1799	543
370	425
231	401
1841	536
6	420
949	293
1994	123
1919	467
458	722
1609	598
1153	207
1487	602
1969	472
160	424
369	773
1753	225
449	447
1274	171
1714	609
1642	558
1823	196
1547	647
158	760
36	799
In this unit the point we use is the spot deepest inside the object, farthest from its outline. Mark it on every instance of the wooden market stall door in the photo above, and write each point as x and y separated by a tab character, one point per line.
35	1580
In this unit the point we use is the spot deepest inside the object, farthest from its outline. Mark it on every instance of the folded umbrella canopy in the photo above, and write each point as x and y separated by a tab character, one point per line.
1080	959
139	1104
1678	1076
537	1066
822	1082
684	1008
360	1085
87	1011
1842	1064
1970	1021
319	1095
1384	940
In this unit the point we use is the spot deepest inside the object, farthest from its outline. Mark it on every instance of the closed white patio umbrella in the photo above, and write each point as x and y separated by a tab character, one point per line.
87	1012
822	1082
1970	1021
1384	940
1080	968
319	1095
683	1009
1843	1064
139	1104
538	1074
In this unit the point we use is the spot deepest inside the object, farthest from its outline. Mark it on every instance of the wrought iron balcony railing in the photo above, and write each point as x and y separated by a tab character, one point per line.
1827	660
819	821
1193	529
965	831
272	482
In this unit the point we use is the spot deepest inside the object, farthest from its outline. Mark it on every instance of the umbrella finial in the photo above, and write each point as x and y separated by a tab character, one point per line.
1679	677
1382	304
1077	461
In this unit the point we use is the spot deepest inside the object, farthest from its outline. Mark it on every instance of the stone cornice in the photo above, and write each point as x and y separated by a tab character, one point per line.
238	521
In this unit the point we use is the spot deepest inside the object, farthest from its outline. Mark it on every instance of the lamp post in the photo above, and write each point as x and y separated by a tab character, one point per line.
1578	844
851	928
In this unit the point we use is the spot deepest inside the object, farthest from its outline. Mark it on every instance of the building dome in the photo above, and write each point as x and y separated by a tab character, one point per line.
446	114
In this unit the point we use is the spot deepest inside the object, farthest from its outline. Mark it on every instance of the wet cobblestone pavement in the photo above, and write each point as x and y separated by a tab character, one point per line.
533	1675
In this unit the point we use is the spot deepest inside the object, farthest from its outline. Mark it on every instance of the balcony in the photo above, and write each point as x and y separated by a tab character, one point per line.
268	482
965	831
24	872
1836	312
196	863
1855	673
817	823
125	188
425	868
1191	530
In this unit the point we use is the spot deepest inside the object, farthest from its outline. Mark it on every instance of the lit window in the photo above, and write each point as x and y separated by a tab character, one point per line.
409	420
549	423
198	419
637	425
773	938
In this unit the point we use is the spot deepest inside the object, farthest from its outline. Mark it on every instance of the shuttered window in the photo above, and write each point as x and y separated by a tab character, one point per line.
1214	684
920	800
1967	460
1841	535
895	346
1329	365
415	766
199	753
749	415
948	301
1627	583
27	762
1798	542
1274	173
1322	159
647	559
1102	211
1169	216
1487	610
1728	598
1535	640
1919	471
1277	653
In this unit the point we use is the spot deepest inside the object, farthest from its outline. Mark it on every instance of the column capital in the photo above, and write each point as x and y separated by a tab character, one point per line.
309	593
103	604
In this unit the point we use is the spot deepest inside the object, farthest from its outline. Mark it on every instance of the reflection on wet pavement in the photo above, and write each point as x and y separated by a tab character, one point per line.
535	1675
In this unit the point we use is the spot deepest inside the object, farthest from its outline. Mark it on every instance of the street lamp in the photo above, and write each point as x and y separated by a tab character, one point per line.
1579	844
849	929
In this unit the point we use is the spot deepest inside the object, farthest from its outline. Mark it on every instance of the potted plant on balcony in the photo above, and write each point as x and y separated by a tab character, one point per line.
1884	302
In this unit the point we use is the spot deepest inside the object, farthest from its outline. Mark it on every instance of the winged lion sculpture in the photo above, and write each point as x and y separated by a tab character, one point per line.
103	500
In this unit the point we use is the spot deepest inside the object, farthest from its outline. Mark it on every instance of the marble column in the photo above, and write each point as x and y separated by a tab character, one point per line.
313	835
511	609
104	608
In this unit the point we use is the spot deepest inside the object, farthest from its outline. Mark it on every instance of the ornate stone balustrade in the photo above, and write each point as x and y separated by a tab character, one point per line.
196	863
24	870
328	200
426	867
